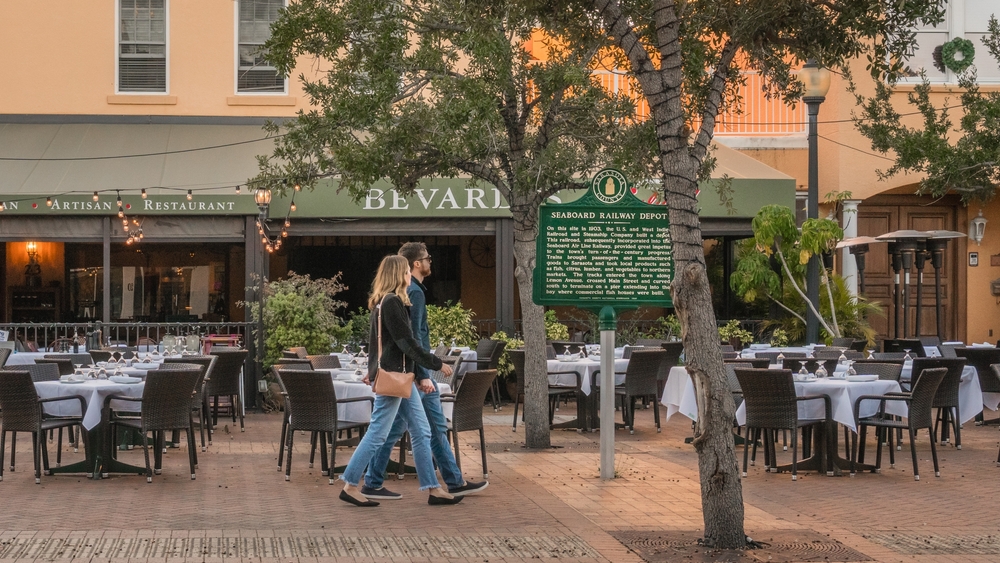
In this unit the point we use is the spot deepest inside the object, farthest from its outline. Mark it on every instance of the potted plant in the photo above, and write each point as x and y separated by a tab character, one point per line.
735	335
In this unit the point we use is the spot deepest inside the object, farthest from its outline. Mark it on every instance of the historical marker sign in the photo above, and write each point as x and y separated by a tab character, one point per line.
609	248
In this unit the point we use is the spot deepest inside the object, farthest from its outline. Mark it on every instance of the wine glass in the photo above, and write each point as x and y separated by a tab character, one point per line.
850	368
871	354
821	371
842	358
907	357
781	359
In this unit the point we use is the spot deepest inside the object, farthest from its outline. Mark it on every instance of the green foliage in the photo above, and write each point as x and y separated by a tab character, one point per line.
958	45
852	315
779	337
732	330
962	159
664	328
505	369
301	311
555	330
451	323
360	328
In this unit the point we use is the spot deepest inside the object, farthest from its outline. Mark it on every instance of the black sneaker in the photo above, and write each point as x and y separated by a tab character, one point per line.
380	493
469	488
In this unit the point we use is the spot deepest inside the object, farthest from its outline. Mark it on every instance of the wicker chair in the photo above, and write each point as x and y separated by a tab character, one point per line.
884	370
929	340
946	397
673	358
200	402
902	345
81	359
555	391
640	381
771	404
311	406
324	361
920	402
100	356
828	353
982	359
468	411
488	354
4	356
753	363
734	382
843	342
627	351
295	363
948	350
773	356
21	411
165	405
39	372
651	342
730	356
295	352
64	365
225	382
897	356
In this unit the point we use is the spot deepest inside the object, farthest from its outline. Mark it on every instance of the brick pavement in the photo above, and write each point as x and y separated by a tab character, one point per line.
539	504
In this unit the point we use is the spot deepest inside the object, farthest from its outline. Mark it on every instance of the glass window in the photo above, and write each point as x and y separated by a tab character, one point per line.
253	72
972	27
142	46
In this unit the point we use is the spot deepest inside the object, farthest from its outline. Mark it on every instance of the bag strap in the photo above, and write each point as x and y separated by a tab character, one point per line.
378	362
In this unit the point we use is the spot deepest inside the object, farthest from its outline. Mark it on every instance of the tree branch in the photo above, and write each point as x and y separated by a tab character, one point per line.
795	286
785	307
833	308
714	100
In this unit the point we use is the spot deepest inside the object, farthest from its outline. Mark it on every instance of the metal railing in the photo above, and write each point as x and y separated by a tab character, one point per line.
48	335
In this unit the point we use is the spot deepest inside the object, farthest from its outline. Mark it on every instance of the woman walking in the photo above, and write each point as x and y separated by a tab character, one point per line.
400	351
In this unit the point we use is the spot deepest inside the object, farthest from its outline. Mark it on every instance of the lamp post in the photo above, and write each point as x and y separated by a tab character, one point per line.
263	199
816	81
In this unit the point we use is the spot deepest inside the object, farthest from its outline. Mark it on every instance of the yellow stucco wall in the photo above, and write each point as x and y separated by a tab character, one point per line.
61	60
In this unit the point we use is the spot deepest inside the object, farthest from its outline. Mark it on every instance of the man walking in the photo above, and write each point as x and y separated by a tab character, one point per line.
420	267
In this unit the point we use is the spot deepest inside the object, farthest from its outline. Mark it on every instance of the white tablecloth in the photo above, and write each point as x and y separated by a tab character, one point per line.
361	411
971	398
94	392
678	396
586	367
748	353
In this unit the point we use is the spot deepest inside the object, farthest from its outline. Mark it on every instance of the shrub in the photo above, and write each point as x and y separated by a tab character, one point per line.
505	369
451	323
555	330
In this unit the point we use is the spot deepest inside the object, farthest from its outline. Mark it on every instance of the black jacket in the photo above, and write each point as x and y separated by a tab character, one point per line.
397	341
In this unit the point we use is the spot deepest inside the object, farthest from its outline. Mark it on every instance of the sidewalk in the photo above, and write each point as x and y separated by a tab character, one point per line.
539	505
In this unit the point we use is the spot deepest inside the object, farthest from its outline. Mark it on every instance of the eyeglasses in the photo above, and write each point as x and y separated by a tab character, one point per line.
425	259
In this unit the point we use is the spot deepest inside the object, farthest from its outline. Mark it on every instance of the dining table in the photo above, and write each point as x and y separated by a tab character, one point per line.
99	460
347	384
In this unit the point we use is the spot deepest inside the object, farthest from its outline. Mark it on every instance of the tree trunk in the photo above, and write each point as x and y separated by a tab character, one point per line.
536	379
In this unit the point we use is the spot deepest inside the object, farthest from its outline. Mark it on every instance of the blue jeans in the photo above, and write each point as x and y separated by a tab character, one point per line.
440	447
383	415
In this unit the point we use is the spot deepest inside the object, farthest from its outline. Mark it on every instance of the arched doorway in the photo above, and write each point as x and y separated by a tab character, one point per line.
884	213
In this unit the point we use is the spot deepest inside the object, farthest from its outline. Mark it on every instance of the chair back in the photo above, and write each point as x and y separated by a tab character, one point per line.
924	390
930	340
769	396
565	346
99	356
324	361
843	342
673	358
982	359
517	360
225	379
441	350
39	372
207	363
947	350
495	355
295	363
485	347
897	356
75	358
311	401
651	342
752	363
727	347
902	345
295	352
643	370
20	410
734	382
730	355
889	371
5	355
550	352
63	344
63	365
469	399
947	391
829	353
167	396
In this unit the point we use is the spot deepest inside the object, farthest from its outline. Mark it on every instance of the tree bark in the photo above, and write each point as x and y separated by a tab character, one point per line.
536	379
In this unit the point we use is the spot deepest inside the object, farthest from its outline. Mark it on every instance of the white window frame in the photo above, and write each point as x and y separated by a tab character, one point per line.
955	18
166	49
236	58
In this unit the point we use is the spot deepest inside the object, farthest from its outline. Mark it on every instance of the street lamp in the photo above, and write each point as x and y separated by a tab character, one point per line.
816	82
263	198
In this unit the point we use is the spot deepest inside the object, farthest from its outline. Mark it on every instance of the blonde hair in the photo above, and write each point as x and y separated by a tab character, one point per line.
390	278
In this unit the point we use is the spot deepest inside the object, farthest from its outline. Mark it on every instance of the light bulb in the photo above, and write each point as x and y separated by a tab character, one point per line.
237	190
190	195
293	206
140	234
298	187
143	193
48	201
96	197
125	228
284	233
121	214
287	223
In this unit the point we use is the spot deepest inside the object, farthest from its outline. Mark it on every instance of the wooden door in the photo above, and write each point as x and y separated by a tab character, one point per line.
885	213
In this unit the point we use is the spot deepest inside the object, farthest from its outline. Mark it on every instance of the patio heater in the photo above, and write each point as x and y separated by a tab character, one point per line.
859	248
936	245
902	249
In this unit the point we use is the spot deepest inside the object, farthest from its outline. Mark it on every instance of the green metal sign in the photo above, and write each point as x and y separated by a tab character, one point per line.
608	248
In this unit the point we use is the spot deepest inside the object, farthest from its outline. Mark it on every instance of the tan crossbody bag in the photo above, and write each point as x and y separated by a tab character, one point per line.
390	383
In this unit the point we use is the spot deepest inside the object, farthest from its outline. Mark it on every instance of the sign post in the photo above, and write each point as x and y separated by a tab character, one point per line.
608	251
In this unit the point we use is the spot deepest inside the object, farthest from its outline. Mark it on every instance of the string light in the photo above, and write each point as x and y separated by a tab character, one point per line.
143	193
96	197
284	233
118	199
121	213
190	195
287	223
48	202
237	189
298	187
292	206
